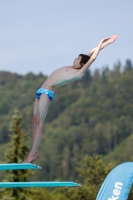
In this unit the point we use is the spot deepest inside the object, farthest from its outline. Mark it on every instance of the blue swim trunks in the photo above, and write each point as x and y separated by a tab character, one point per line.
44	91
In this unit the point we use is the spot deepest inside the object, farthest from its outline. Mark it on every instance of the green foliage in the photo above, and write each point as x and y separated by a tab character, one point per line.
42	194
17	148
94	115
15	153
93	176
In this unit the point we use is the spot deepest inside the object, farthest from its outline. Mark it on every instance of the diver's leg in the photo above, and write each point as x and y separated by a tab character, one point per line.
39	114
38	121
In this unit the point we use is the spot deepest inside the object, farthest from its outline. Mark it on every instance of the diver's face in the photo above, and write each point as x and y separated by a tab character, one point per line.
76	62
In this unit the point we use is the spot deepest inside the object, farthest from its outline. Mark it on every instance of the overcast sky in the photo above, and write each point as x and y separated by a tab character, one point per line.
43	35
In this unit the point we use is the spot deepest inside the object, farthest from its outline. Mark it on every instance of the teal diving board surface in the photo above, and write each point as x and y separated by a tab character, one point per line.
16	166
37	184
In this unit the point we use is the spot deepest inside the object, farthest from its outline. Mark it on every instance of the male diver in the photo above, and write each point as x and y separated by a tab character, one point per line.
59	77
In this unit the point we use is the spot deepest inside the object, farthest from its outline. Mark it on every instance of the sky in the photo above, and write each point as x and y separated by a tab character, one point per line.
43	35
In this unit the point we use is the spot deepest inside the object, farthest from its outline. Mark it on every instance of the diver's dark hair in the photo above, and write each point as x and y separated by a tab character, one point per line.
84	58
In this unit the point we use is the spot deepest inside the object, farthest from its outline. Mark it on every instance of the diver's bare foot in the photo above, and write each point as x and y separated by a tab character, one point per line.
31	158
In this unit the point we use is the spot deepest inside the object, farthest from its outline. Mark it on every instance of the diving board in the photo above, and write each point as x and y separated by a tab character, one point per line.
37	184
16	166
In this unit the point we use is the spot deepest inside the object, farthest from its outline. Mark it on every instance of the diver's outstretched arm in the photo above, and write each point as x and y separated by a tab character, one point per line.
94	55
109	41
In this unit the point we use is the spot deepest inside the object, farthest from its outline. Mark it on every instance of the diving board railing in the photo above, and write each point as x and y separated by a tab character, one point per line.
17	166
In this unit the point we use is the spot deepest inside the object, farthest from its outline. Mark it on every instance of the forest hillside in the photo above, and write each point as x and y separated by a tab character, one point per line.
91	116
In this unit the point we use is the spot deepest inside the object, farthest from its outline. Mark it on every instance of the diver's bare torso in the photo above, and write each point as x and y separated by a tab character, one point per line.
68	74
60	77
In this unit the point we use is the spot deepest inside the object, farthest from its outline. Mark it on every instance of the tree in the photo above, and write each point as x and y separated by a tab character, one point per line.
92	177
128	66
16	153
